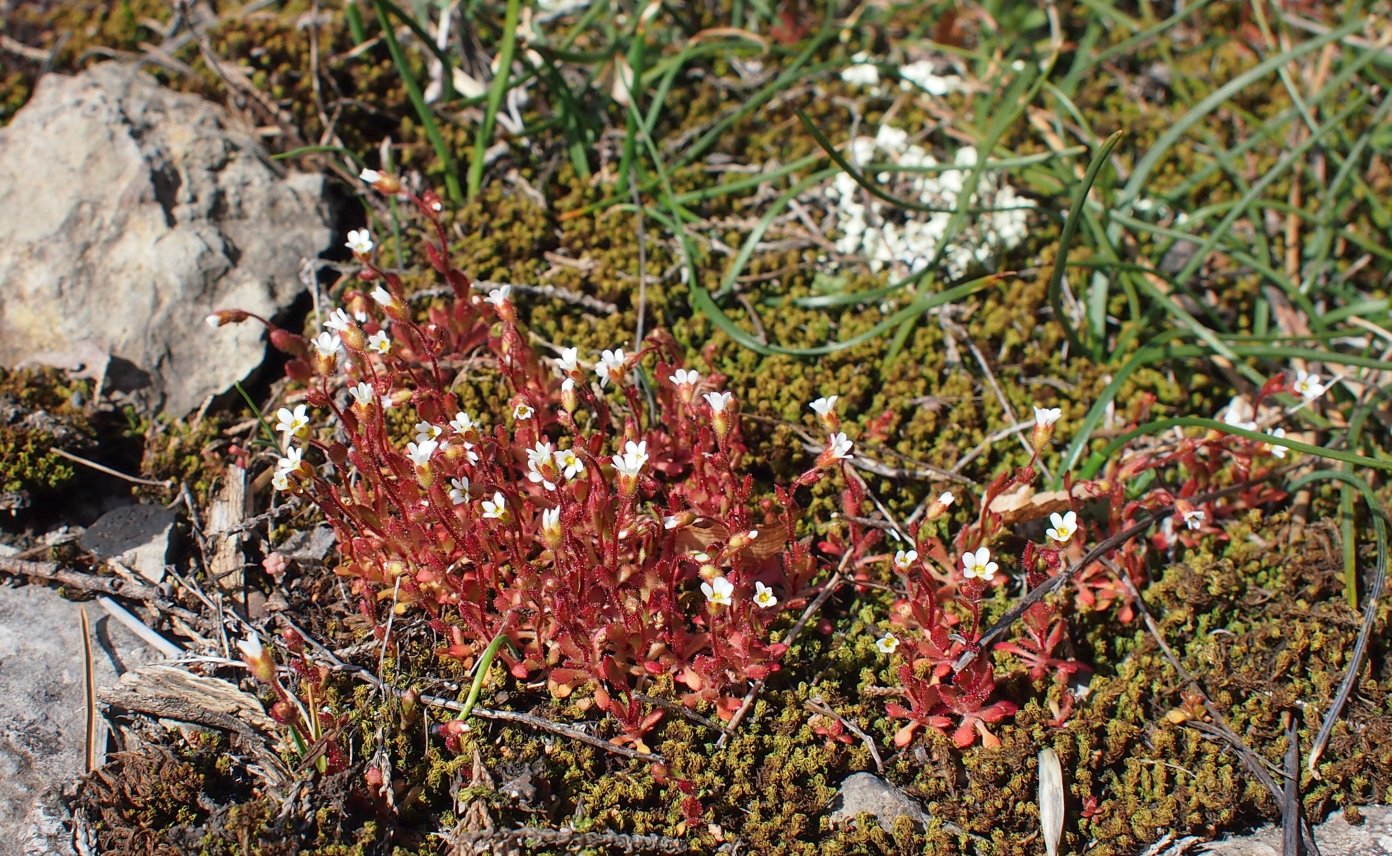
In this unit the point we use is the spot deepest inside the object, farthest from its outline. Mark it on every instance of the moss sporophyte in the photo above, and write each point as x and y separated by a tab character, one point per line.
601	533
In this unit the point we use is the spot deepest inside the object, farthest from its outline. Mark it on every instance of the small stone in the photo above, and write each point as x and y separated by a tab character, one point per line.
137	536
866	793
309	545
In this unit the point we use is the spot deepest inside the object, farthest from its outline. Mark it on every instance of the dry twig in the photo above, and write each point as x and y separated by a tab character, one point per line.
831	586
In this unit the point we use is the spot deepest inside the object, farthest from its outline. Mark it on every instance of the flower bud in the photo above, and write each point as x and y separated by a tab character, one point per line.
740	540
226	316
299	370
1044	419
287	343
568	395
938	507
257	659
353	338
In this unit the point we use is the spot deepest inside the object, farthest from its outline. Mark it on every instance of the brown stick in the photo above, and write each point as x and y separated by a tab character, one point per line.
831	586
1105	546
567	839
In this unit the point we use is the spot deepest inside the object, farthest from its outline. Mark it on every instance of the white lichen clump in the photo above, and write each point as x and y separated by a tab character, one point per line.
904	241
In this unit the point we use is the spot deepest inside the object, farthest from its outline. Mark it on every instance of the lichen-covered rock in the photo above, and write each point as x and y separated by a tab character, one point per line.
127	214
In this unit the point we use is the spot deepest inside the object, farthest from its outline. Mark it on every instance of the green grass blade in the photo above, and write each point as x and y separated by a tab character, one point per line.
497	88
423	111
1070	228
1116	445
1141	175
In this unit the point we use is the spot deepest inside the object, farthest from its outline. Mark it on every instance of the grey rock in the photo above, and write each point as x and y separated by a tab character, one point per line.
1335	837
42	704
128	213
309	545
863	792
137	536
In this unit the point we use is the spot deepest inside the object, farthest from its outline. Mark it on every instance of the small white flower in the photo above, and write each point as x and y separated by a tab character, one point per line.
522	412
338	322
459	490
671	521
1046	416
386	401
718	591
946	499
421	452
540	453
360	316
425	432
569	463
495	508
609	363
536	476
360	241
281	481
327	344
538	458
498	296
887	644
1277	451
370	176
632	460
904	559
839	446
293	422
763	596
214	320
291	462
380	342
1064	526
383	297
1308	385
1194	519
463	423
824	406
718	401
686	377
569	361
978	565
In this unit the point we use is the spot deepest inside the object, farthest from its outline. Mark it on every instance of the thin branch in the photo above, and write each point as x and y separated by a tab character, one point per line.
869	742
55	573
1103	547
555	292
102	468
509	840
827	590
